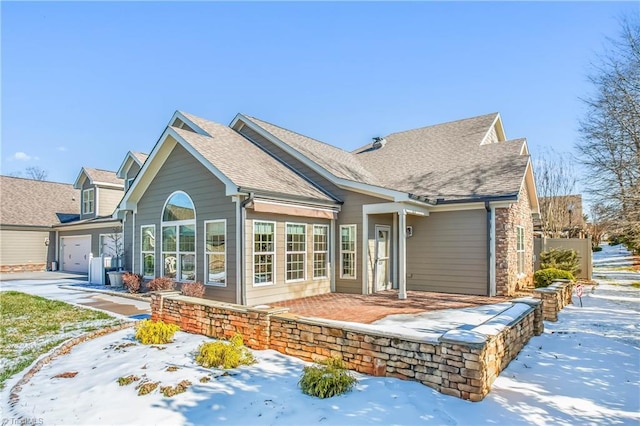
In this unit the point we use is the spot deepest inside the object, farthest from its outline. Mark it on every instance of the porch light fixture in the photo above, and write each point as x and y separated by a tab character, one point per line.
409	231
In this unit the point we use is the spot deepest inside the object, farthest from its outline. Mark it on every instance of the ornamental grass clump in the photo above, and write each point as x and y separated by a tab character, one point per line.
223	354
544	277
155	332
327	379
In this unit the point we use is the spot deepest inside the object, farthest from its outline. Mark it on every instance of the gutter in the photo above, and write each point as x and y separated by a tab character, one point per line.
507	197
288	197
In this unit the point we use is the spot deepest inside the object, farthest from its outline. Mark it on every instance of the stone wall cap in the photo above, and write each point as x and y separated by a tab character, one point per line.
531	301
464	337
505	319
544	290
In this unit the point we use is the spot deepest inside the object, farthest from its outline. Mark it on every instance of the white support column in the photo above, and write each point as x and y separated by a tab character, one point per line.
365	251
332	246
395	239
402	254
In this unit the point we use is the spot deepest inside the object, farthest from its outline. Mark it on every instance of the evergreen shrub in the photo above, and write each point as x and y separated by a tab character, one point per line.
544	277
564	259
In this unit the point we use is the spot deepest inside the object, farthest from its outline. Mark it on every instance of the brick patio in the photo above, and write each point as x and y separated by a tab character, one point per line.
369	308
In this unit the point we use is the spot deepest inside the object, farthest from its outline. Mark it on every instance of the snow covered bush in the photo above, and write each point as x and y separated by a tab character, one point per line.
329	378
544	277
225	355
155	332
195	289
161	283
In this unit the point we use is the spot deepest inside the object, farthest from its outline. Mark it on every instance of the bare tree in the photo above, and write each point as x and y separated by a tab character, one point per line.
610	132
555	182
36	173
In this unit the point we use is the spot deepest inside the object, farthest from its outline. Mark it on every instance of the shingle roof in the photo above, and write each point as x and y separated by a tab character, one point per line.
140	156
103	176
443	161
340	163
448	161
245	164
36	203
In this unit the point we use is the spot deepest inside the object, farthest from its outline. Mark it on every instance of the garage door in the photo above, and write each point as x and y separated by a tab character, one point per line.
75	253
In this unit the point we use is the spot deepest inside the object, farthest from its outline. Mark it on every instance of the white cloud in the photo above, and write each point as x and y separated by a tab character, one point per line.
22	156
62	148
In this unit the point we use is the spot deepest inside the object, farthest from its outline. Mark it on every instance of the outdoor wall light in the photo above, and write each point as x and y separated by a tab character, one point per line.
46	242
409	231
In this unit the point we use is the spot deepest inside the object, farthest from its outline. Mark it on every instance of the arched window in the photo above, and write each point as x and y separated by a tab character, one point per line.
179	237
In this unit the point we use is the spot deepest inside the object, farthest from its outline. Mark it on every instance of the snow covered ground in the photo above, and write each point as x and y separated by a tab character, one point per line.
583	370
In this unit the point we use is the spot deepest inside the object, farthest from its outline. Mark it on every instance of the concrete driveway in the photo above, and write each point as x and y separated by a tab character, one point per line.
54	285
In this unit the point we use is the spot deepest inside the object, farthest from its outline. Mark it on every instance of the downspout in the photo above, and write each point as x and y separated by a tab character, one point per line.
241	266
487	207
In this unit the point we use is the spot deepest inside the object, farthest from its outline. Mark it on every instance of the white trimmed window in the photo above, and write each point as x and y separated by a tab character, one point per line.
215	252
520	248
348	251
320	249
88	201
296	251
179	238
264	252
148	250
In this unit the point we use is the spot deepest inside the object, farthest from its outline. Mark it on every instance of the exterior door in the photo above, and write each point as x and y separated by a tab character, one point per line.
382	258
74	253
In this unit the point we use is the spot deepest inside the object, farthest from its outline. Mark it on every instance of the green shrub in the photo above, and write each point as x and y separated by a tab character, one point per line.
544	277
564	259
597	248
155	332
225	355
329	378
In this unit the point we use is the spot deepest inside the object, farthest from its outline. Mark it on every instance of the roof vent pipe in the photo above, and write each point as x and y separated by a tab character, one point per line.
378	142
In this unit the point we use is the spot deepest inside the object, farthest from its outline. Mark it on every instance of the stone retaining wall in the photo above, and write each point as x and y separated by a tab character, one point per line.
461	363
26	267
554	298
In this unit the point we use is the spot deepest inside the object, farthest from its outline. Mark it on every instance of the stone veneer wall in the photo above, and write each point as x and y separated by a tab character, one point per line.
460	363
26	267
554	298
519	214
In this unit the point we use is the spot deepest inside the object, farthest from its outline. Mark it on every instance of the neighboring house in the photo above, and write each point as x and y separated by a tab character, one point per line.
96	232
29	209
260	213
75	221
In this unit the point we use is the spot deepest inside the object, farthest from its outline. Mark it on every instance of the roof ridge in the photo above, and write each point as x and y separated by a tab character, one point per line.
442	124
100	170
37	180
297	133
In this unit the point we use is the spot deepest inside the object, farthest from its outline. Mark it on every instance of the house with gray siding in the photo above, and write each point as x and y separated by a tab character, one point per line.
260	213
48	225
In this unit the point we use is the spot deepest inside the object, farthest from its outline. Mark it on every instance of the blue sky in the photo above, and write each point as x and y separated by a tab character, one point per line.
83	83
